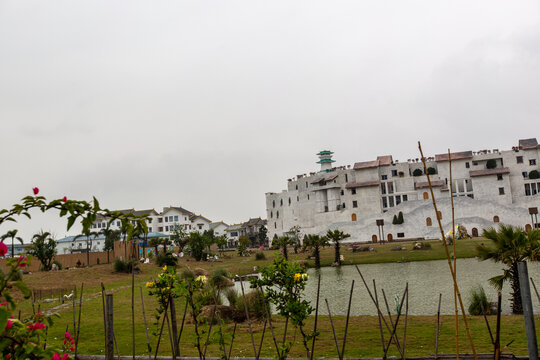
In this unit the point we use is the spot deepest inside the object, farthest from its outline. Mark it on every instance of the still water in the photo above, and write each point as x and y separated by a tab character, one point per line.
426	280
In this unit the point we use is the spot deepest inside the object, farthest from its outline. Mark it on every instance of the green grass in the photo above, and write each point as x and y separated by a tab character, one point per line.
363	338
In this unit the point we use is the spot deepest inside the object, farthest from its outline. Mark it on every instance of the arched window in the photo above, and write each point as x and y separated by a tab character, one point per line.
374	238
528	227
275	225
274	203
277	214
496	219
281	202
428	221
390	237
353	217
474	232
426	195
271	214
289	201
298	198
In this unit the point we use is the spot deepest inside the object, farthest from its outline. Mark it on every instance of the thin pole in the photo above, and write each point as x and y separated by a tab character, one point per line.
378	313
161	329
487	323
333	329
397	321
497	344
79	322
146	326
437	331
109	348
528	315
104	312
210	329
536	291
448	256
396	339
132	307
262	338
405	330
232	340
182	326
347	321
316	315
171	341
247	317
456	313
269	317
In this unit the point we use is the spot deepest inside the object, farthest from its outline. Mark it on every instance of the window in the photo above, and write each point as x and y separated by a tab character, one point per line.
234	233
467	165
475	163
384	202
353	217
281	202
519	159
273	203
532	162
271	214
99	225
394	172
398	200
355	204
297	198
384	177
400	235
428	221
306	185
390	187
501	191
275	225
308	197
346	178
200	226
118	223
496	219
289	201
499	177
383	188
277	214
176	218
185	218
160	229
166	228
296	187
149	221
149	229
405	198
353	191
160	220
527	189
342	192
343	205
533	189
525	174
391	201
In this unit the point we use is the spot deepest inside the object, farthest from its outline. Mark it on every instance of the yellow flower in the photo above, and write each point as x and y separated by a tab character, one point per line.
304	277
149	284
297	277
201	278
165	268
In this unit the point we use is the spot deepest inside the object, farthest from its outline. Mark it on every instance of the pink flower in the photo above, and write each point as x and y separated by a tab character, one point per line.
9	324
22	261
36	326
64	199
67	335
35	190
3	249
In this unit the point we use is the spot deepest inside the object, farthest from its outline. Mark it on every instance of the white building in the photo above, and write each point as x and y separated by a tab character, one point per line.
489	186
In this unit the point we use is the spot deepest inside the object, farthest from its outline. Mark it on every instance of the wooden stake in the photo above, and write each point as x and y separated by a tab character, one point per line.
396	323
347	321
497	349
316	316
487	323
536	291
269	317
378	313
79	321
232	340
406	316
161	329
182	326
456	312
448	256
437	332
104	312
262	338
333	329
146	327
247	317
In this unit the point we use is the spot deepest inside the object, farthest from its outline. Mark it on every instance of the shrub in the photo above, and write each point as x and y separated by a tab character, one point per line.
534	174
220	278
260	256
58	264
255	304
167	258
431	171
395	220
478	298
232	296
187	274
491	164
400	218
417	172
124	266
78	264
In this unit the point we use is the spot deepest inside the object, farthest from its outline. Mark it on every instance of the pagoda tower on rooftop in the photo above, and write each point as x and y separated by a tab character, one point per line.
325	159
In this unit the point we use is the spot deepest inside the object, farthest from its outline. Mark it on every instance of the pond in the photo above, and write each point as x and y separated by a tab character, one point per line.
426	280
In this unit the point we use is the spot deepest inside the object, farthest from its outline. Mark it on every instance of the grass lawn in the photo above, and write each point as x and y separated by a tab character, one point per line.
363	338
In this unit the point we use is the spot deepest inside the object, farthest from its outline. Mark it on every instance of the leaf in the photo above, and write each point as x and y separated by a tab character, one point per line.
71	221
3	317
96	204
25	290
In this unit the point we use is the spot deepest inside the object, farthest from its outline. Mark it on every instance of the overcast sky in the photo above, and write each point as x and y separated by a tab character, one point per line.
210	104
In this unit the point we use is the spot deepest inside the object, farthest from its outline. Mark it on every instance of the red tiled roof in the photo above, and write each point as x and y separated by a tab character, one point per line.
485	172
425	184
384	160
366	165
354	185
455	156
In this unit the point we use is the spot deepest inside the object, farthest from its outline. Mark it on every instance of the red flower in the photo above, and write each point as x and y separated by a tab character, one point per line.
64	199
35	190
22	261
36	326
3	249
9	324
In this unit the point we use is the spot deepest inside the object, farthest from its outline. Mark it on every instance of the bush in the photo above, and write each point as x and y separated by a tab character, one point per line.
395	220
534	174
417	172
188	274
400	218
58	264
260	256
220	278
232	296
124	266
167	258
255	304
491	164
478	298
431	171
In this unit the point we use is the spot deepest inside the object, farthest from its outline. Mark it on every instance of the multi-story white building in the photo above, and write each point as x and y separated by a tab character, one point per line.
489	186
164	222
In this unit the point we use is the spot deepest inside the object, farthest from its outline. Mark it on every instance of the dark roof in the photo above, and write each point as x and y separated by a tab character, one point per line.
384	160
254	222
366	165
455	156
193	217
526	144
485	172
425	184
330	178
354	185
144	212
178	208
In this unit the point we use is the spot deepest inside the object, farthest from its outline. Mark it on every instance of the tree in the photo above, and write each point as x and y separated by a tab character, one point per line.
13	235
44	248
491	164
417	172
197	244
534	174
221	242
263	235
282	242
395	220
315	243
88	237
336	236
179	237
111	236
511	245
400	217
431	171
295	237
209	238
243	242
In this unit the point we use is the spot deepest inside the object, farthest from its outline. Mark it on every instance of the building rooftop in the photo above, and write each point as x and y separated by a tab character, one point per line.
454	156
485	172
527	144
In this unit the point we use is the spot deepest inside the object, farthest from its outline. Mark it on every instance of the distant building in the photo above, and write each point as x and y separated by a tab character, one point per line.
233	235
489	186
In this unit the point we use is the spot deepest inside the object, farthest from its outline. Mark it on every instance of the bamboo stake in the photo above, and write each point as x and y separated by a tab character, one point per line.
406	316
232	340
536	291
448	256
74	311
170	334
397	321
347	321
210	329
497	349
79	321
316	316
437	331
161	329
333	329
262	338
146	326
182	326
104	312
269	317
487	323
285	332
247	317
132	306
378	313
396	339
219	320
456	312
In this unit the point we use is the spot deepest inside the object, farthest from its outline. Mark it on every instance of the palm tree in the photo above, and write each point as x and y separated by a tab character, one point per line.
316	242
13	235
89	235
111	236
336	236
511	245
283	242
44	248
